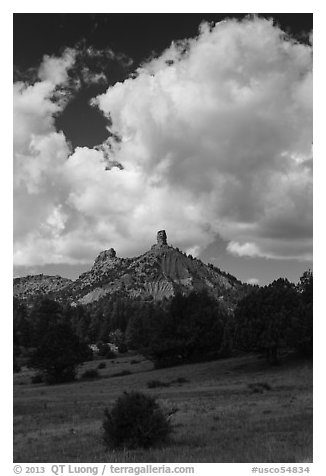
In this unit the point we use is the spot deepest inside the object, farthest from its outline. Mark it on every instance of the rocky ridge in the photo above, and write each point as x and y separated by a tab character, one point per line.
39	284
159	273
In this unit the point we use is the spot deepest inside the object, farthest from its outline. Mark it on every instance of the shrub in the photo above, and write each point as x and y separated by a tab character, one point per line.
164	361
157	383
105	351
122	348
110	354
259	387
135	421
122	373
90	374
180	380
16	366
101	365
37	378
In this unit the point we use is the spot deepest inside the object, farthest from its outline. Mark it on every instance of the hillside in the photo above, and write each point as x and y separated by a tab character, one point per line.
229	410
158	273
36	285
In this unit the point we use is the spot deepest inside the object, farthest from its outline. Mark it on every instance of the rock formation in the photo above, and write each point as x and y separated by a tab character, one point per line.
158	273
161	238
38	284
106	255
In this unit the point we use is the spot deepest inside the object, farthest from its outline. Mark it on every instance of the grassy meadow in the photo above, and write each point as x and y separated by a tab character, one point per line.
232	410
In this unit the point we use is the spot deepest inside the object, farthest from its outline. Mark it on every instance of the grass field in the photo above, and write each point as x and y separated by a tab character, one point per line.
232	410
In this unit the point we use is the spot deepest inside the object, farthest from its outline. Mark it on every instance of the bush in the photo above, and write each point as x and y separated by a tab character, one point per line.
162	361
122	348
37	378
104	350
16	366
101	365
135	421
180	380
122	373
90	374
259	387
157	384
110	354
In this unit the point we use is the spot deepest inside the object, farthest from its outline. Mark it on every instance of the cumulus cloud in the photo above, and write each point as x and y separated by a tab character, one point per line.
227	118
56	69
213	137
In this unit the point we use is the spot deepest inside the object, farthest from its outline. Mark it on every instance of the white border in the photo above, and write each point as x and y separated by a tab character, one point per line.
168	6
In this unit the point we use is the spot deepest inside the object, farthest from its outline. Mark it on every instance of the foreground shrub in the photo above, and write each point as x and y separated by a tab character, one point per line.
136	420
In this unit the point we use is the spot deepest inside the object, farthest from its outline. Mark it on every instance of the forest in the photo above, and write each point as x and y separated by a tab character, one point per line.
55	338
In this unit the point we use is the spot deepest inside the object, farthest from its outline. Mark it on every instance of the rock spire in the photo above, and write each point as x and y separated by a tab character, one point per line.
161	238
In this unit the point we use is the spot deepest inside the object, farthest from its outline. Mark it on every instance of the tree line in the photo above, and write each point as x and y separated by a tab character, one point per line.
55	338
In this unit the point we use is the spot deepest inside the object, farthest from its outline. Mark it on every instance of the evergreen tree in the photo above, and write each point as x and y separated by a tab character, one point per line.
303	338
139	327
265	320
57	350
21	326
190	329
44	315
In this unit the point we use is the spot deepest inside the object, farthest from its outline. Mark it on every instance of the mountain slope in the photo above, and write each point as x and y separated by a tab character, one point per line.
36	285
160	272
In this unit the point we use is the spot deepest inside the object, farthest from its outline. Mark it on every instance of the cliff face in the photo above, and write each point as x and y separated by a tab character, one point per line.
160	272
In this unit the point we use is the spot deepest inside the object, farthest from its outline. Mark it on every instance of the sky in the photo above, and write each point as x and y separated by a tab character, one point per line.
199	124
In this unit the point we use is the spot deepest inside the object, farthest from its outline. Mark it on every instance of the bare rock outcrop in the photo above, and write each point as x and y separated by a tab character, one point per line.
158	273
161	238
106	254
